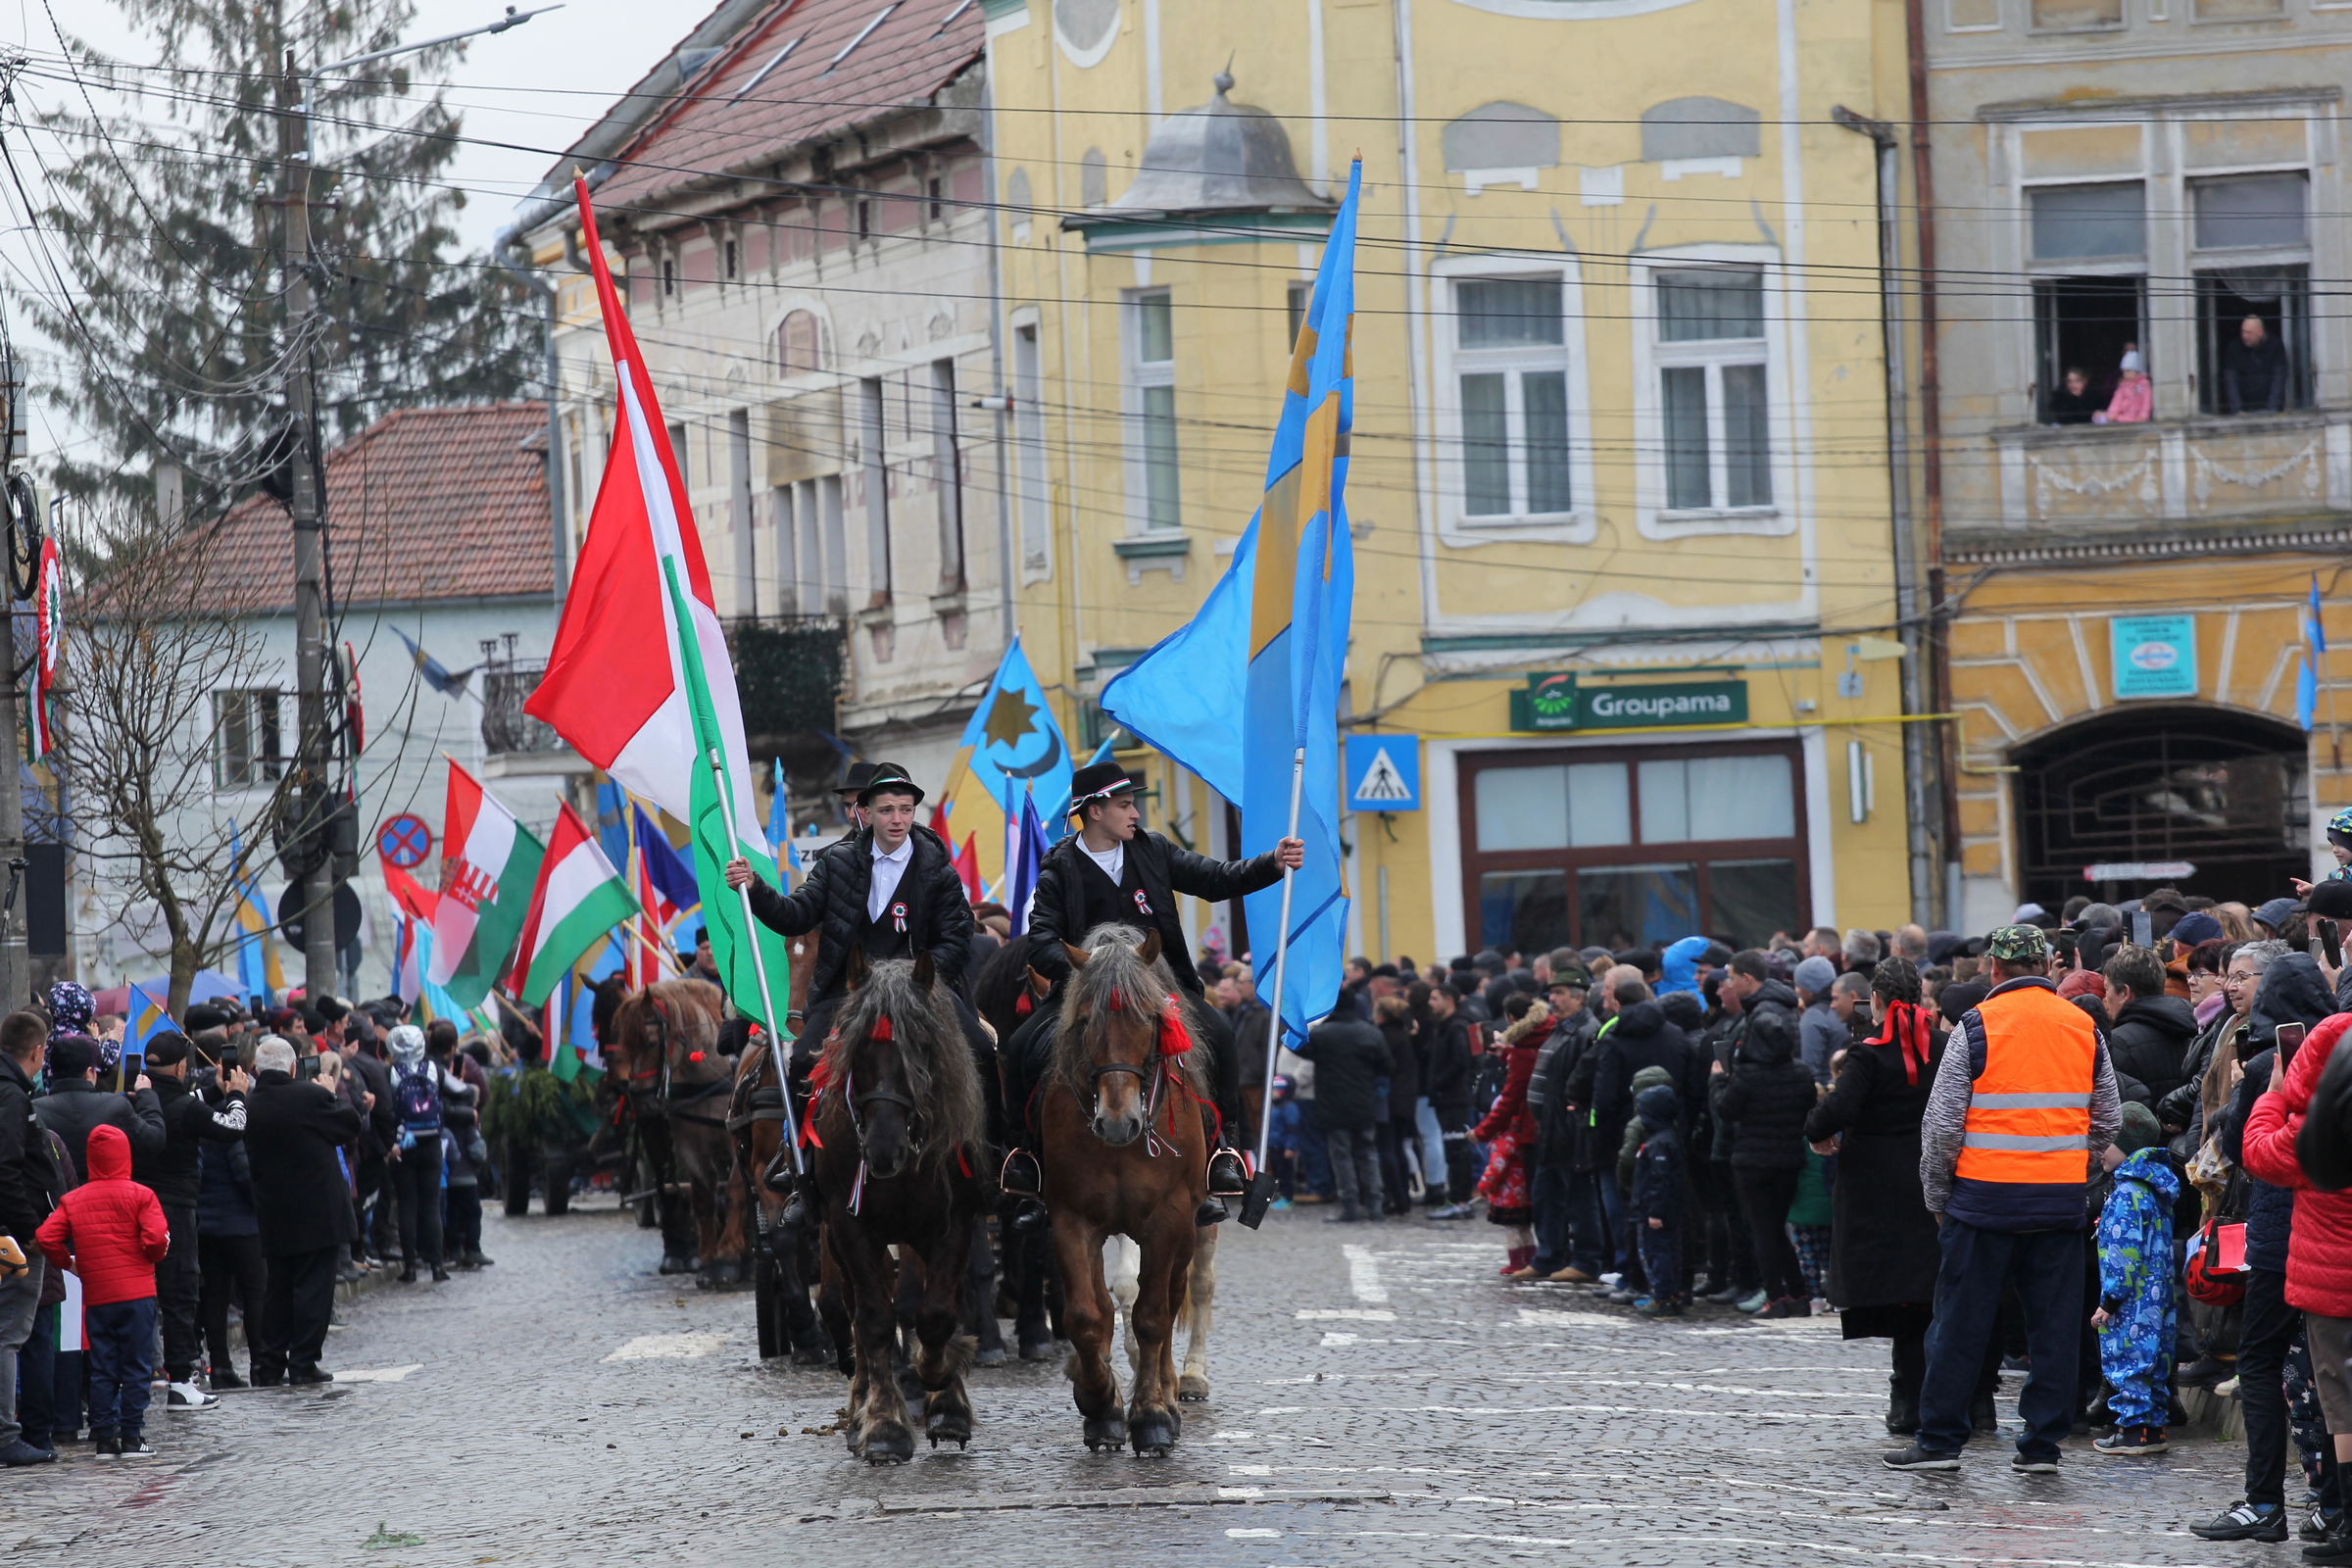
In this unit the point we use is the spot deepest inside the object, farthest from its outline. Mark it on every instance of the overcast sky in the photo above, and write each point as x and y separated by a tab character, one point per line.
534	88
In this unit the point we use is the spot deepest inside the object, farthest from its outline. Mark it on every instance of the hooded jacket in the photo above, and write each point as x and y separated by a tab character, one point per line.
2153	1040
1678	966
26	1175
74	1106
1644	1038
2293	991
2135	1229
2319	1248
110	1230
1659	1165
1768	1092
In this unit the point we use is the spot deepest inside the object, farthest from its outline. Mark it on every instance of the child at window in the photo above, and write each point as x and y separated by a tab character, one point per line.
2075	402
2134	398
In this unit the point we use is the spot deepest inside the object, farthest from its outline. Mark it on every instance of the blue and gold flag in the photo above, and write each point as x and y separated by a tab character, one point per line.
1253	680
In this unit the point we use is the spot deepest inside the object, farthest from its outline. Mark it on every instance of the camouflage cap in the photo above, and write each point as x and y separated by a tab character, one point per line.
2018	944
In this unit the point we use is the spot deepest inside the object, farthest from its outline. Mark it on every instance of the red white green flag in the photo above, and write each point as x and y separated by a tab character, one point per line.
578	900
489	865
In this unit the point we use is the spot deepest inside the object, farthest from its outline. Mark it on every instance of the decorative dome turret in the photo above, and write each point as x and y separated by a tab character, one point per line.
1221	157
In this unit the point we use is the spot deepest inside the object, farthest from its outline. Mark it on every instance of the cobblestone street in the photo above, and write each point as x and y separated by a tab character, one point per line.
1380	1397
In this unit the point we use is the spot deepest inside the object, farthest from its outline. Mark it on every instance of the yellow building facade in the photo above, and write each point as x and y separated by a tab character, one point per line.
1627	610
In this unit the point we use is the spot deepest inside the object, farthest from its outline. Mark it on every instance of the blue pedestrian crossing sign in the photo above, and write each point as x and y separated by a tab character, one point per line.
1384	773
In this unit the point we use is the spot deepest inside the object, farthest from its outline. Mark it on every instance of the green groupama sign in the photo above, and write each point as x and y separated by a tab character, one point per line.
1557	702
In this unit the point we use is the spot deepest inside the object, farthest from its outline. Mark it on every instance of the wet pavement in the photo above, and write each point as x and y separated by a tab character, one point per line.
1380	1397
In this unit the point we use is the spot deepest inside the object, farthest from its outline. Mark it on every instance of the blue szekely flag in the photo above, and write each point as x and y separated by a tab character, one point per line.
1255	677
2307	679
147	1020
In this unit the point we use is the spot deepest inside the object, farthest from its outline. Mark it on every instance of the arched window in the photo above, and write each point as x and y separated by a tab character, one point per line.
799	344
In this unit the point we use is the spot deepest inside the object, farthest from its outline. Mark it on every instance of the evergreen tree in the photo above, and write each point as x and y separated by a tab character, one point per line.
168	221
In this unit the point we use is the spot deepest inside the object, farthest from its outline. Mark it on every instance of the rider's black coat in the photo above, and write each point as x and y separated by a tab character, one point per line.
831	902
1163	870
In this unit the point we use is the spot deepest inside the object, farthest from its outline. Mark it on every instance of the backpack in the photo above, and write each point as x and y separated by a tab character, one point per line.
418	1099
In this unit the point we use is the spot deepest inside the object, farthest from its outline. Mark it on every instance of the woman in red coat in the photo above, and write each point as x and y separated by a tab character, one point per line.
2318	1246
1511	1135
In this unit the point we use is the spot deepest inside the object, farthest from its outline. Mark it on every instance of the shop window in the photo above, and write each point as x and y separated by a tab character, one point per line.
2261	224
1566	848
2239	10
1152	403
1510	384
1716	413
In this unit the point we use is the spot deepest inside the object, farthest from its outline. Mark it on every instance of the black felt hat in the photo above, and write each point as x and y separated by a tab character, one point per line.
854	782
1099	782
889	776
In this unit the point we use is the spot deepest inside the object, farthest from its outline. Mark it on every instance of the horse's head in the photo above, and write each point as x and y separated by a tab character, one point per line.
882	1059
1111	1018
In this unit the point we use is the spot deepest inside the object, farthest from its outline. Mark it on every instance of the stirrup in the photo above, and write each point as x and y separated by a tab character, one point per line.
1228	1176
1020	1175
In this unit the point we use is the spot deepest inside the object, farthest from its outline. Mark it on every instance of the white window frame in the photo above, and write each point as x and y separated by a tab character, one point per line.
1580	524
1034	481
1142	374
264	767
1652	517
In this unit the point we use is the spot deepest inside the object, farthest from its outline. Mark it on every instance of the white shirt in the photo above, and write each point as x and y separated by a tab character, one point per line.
1113	861
888	869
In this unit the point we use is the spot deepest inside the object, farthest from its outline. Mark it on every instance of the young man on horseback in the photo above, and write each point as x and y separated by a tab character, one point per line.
1110	872
888	889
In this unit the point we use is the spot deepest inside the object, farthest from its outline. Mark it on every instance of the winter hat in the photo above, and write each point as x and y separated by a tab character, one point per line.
2084	981
2274	913
407	1046
2339	828
70	1009
2194	927
2131	362
2018	944
2026	913
1683	1010
1657	1105
1649	1078
2140	1129
1816	974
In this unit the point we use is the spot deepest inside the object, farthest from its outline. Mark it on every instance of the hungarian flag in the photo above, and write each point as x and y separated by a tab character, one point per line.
49	634
640	682
580	898
489	865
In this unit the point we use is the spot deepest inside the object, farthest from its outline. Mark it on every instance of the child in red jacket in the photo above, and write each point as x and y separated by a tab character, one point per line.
111	1230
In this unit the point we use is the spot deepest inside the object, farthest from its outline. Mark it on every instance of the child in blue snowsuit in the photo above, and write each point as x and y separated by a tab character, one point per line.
2135	1316
1657	1208
1282	1142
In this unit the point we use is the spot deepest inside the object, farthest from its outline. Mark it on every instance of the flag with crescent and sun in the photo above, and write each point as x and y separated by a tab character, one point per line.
1011	749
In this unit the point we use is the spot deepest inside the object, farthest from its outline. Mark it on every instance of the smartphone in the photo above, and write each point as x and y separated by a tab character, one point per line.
2143	929
2333	943
2290	1038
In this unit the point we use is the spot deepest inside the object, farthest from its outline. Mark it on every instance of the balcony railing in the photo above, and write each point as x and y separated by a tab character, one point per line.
507	731
2173	473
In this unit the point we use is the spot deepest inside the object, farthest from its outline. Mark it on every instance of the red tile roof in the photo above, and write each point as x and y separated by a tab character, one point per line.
424	504
912	53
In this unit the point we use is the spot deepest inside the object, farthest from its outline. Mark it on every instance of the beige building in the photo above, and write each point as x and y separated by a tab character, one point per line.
1624	523
2126	598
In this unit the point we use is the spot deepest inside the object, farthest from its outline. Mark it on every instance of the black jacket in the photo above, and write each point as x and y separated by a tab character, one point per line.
1768	1093
173	1171
379	1123
831	902
1349	1053
1449	1072
26	1175
1641	1037
72	1108
1404	1067
292	1133
1560	1121
1163	870
2153	1038
1658	1168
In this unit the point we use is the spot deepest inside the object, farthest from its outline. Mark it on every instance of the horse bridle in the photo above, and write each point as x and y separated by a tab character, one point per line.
1152	1080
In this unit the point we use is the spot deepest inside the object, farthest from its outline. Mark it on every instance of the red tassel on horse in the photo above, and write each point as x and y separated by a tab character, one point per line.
881	1028
1174	1039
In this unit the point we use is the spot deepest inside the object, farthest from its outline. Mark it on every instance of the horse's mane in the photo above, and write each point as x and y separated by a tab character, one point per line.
940	1076
1116	968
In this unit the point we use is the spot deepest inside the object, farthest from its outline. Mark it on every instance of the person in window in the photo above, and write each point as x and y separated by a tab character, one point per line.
2133	401
2075	402
2253	370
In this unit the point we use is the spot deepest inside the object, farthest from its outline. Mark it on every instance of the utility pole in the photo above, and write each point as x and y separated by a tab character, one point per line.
14	962
312	755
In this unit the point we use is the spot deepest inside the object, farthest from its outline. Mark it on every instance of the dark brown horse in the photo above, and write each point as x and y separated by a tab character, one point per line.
902	1138
664	1049
1125	1154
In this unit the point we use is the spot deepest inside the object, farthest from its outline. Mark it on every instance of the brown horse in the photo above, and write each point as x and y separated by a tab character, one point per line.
1125	1154
664	1049
903	1145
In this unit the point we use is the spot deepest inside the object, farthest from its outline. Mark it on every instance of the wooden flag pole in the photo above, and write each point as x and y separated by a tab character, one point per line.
1263	1186
775	1019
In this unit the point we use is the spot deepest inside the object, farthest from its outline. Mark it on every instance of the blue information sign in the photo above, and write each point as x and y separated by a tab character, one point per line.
1384	773
2155	655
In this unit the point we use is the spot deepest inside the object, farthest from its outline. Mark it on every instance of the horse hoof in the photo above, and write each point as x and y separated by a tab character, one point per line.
813	1355
948	1428
1105	1434
671	1263
994	1355
889	1446
1037	1349
1152	1436
1192	1389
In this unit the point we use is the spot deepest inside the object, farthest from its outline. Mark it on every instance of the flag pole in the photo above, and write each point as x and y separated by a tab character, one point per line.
775	1019
1263	1186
